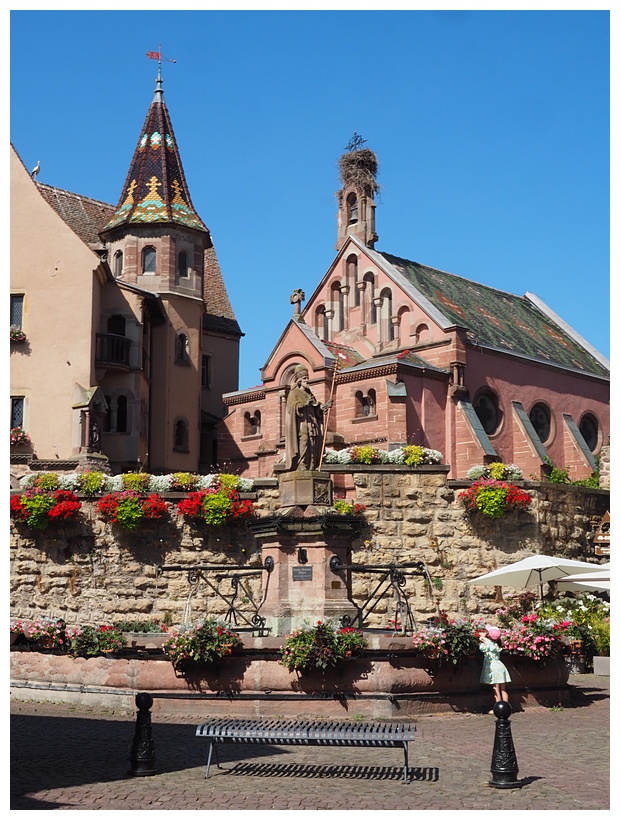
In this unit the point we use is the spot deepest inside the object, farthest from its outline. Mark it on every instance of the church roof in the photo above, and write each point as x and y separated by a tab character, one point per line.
497	319
83	215
155	189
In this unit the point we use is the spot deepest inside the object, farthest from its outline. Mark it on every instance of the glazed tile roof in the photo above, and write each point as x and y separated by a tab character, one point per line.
496	319
85	216
344	355
155	189
219	316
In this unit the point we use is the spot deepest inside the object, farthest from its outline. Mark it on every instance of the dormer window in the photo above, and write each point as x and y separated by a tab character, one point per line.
149	260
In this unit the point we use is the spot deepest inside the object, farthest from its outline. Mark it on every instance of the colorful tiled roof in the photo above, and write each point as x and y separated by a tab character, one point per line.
344	355
497	319
155	189
83	215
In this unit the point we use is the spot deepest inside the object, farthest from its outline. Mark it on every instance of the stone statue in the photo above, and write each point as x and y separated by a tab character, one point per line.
303	432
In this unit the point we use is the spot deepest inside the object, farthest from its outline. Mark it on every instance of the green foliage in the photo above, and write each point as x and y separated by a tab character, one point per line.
601	630
460	637
183	481
47	481
559	476
348	507
203	643
320	646
414	455
92	482
139	482
89	641
140	626
365	454
129	511
494	498
37	507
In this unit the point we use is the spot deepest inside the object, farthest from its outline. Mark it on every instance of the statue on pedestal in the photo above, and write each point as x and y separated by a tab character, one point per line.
303	431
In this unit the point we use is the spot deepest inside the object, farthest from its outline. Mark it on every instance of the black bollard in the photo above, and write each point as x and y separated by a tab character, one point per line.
142	756
504	766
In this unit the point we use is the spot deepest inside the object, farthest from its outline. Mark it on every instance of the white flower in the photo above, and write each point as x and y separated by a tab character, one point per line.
114	484
203	482
246	485
160	483
68	481
27	481
477	471
396	456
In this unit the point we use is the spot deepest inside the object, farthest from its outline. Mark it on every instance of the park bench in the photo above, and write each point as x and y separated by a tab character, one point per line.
307	733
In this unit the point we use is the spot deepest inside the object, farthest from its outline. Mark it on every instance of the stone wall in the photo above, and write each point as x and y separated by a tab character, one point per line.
89	571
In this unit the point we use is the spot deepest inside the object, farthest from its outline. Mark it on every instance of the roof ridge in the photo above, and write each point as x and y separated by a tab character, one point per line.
73	193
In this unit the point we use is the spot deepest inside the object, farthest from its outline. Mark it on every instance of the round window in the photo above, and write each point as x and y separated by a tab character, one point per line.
487	410
588	427
541	421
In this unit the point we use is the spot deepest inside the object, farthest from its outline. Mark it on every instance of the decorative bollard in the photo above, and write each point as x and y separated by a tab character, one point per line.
504	766
142	756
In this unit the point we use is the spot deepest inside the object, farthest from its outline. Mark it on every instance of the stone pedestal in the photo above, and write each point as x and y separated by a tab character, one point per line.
302	588
303	488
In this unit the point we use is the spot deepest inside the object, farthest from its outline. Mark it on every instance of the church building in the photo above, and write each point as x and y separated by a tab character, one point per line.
414	355
123	338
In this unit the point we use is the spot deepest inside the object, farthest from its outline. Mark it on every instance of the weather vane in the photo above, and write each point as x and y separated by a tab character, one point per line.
156	55
355	143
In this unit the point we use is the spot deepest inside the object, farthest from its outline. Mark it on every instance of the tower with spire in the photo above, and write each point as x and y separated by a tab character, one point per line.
157	243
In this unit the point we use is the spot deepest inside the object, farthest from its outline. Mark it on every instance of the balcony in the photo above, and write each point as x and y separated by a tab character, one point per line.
112	350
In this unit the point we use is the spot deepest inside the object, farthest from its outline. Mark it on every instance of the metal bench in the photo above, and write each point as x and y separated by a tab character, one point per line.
307	733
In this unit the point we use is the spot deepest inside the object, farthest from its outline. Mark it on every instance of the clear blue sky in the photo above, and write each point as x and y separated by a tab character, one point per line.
491	129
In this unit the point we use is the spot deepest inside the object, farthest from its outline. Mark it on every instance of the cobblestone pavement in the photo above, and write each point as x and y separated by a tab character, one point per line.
77	758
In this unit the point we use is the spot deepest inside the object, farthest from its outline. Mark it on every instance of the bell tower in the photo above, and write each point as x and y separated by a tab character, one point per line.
356	199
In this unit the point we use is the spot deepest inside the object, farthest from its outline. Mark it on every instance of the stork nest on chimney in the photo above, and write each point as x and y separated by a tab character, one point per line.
360	168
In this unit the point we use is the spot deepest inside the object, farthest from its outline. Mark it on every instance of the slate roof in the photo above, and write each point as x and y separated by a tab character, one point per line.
497	319
219	316
155	190
83	215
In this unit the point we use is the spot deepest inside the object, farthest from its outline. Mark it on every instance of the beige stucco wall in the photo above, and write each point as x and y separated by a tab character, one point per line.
56	272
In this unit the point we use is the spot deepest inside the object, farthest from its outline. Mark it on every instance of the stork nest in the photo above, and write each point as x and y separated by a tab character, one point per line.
360	168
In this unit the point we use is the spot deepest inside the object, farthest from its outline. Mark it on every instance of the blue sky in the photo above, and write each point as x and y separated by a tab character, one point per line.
491	129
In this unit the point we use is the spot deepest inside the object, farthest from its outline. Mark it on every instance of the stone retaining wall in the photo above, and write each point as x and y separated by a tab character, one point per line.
387	682
91	572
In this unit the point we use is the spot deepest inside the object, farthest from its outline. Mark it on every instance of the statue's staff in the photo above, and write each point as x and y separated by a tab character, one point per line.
328	405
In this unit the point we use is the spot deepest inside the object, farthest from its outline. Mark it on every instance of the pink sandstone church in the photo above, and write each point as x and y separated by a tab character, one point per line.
124	344
414	355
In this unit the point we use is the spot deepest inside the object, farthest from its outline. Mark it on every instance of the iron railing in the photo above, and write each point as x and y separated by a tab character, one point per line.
391	584
213	575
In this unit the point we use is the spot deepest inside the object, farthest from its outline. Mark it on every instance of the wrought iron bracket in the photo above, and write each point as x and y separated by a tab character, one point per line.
393	578
205	572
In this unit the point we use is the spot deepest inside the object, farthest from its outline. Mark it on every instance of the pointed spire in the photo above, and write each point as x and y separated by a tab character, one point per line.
155	190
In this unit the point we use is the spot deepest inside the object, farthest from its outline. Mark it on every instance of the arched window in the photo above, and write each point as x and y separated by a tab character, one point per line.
149	260
365	405
422	334
487	409
116	418
337	306
589	429
181	435
321	325
404	325
182	349
183	269
251	424
386	328
116	324
352	279
118	264
352	215
540	416
370	309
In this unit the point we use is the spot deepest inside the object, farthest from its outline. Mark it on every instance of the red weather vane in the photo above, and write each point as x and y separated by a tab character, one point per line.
156	55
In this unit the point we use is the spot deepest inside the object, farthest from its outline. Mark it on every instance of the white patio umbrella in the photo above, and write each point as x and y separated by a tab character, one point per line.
598	580
534	571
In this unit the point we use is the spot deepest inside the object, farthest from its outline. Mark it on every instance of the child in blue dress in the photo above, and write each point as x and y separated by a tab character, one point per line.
493	670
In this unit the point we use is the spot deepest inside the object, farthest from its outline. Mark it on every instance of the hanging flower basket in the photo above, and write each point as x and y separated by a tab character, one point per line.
17	335
128	508
19	437
219	504
37	508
